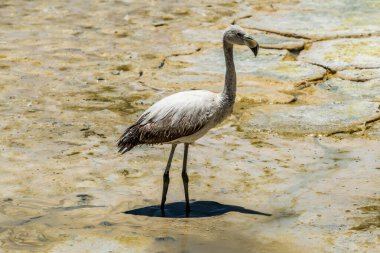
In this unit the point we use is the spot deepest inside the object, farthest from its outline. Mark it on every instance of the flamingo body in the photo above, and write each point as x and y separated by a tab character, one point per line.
186	116
182	117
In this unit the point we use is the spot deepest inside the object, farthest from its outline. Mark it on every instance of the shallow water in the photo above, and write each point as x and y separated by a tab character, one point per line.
302	144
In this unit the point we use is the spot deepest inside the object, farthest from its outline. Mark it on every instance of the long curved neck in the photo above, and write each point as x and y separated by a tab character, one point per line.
229	92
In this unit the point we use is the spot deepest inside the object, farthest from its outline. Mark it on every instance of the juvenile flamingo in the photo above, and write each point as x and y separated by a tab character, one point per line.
186	116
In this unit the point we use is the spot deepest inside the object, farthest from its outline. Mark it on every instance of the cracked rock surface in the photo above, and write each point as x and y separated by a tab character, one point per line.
363	53
316	19
302	144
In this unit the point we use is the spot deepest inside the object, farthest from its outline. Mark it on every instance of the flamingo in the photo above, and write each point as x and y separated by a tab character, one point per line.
186	116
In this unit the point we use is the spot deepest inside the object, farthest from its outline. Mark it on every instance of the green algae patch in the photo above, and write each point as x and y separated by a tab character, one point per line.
369	209
121	34
4	67
368	224
372	222
73	153
124	67
107	89
98	100
94	96
134	241
124	172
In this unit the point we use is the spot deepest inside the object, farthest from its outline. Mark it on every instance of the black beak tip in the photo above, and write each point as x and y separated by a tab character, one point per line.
255	50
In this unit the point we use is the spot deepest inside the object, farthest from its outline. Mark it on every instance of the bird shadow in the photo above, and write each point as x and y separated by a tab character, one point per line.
199	209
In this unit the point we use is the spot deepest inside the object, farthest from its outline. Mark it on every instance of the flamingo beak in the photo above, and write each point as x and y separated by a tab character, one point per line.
252	44
255	50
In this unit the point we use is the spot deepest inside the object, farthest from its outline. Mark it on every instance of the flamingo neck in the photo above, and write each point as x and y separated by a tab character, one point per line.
229	92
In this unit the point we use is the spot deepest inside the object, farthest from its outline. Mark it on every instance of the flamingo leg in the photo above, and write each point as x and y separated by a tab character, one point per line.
185	178
166	180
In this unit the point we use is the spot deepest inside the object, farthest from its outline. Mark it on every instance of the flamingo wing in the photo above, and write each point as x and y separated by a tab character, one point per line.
181	114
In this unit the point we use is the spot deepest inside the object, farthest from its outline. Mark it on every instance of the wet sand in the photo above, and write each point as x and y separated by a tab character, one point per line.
302	145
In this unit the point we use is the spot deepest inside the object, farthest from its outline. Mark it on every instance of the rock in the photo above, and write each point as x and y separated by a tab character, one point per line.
310	119
316	20
374	131
209	35
268	65
359	74
349	90
250	93
344	53
266	40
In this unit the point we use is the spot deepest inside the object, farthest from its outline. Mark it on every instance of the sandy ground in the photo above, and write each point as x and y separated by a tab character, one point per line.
302	145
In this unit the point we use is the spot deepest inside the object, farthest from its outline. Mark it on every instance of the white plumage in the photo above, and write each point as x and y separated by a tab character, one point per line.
185	110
